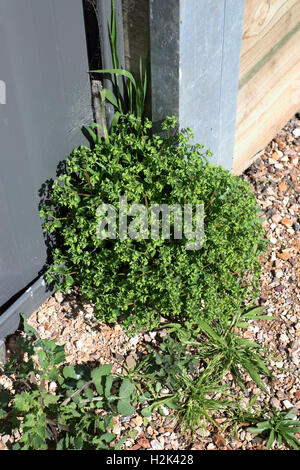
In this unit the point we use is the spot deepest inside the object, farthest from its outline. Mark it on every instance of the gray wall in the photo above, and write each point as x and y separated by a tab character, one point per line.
195	56
136	33
43	63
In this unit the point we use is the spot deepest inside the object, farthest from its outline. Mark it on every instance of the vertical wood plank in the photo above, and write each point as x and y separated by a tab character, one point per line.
269	76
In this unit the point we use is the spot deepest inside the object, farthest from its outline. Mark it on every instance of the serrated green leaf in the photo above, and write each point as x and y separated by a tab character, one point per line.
125	408
146	412
119	445
69	372
98	374
50	399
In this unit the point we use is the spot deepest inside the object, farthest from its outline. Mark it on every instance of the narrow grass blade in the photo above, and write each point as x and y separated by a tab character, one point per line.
122	72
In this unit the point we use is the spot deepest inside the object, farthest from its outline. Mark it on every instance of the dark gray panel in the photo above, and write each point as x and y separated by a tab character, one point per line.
2	352
104	9
165	59
27	303
43	62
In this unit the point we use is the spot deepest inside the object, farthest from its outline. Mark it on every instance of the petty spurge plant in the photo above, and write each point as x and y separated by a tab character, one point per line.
141	280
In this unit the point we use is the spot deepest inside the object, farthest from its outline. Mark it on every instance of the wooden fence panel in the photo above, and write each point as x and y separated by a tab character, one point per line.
269	87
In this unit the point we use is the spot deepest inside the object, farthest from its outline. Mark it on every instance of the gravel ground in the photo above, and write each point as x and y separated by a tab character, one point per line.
275	179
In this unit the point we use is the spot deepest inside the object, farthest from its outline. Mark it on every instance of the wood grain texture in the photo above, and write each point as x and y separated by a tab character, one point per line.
266	102
266	23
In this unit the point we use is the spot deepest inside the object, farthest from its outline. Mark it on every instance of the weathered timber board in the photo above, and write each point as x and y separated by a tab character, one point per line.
267	101
266	23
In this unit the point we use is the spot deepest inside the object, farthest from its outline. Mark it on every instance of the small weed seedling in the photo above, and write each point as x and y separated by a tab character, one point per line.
281	427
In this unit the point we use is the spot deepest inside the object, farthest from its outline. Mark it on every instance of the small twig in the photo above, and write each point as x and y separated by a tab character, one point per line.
78	194
210	202
52	422
32	378
146	202
77	392
88	179
64	274
25	383
42	387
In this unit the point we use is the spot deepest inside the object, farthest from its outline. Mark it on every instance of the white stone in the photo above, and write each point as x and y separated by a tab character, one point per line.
287	404
296	132
52	386
165	410
59	297
210	446
284	338
156	445
275	403
134	340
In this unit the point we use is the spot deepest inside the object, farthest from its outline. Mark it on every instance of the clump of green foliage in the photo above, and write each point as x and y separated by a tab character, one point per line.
140	280
218	351
78	413
229	351
226	349
280	427
77	416
178	373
